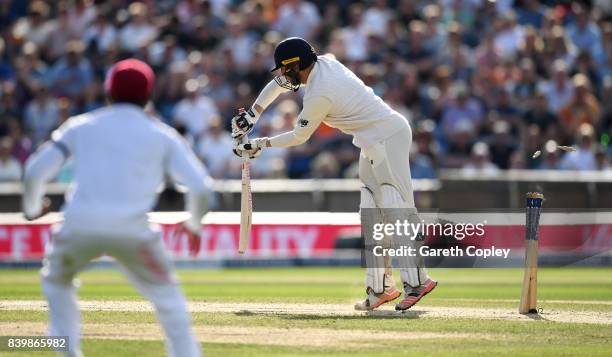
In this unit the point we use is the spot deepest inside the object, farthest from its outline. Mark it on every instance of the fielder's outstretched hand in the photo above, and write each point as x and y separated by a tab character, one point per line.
193	238
46	208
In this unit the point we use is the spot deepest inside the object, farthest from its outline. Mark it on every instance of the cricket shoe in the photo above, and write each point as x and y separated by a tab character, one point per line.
375	300
415	295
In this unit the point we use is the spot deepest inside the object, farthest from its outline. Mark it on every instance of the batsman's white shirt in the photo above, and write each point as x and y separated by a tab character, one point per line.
335	96
121	157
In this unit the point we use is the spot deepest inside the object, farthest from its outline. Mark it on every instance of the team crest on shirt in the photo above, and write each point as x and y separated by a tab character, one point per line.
303	122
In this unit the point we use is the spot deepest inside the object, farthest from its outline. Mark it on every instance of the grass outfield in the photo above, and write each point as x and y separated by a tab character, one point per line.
291	312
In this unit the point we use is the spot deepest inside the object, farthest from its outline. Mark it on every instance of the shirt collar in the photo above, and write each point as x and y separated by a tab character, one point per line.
313	72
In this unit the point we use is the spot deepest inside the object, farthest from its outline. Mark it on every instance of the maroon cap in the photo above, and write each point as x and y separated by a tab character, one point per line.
130	80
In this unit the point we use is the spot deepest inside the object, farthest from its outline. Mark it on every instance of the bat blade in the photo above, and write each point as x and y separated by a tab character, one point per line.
246	207
530	279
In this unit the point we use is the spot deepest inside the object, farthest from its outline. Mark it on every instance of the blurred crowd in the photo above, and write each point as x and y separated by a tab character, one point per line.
484	83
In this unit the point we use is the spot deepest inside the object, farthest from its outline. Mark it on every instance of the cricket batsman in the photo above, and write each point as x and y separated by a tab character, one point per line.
121	157
334	95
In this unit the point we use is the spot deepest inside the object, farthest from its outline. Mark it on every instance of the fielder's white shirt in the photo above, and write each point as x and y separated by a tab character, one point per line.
337	97
121	157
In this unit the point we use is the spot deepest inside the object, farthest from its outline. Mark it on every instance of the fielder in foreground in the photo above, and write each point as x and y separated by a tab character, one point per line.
334	95
121	156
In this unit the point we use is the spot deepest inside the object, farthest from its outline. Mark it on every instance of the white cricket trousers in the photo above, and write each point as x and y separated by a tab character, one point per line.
147	266
388	163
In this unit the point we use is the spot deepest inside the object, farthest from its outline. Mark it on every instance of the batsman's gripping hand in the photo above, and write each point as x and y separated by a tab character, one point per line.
243	123
252	148
193	237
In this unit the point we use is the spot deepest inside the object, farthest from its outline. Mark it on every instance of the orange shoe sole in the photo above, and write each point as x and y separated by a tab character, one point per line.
398	307
385	299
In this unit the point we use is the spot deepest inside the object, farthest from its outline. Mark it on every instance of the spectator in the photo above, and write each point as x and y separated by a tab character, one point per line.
551	158
509	36
435	32
584	157
531	13
330	22
34	27
9	107
461	108
559	47
584	33
215	148
421	166
298	18
602	162
487	55
100	35
584	64
6	68
415	51
71	75
377	17
325	165
408	11
527	85
480	163
239	42
559	90
355	36
517	161
271	163
501	145
186	10
425	141
81	15
220	91
532	142
583	107
10	168
532	49
30	70
22	145
138	32
538	113
165	52
61	32
41	116
460	144
195	110
206	29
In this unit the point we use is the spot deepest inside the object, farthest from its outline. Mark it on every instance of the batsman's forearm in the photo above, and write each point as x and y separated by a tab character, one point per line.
287	139
267	95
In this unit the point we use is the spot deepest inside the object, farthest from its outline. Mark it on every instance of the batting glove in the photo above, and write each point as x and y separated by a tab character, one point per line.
243	123
252	148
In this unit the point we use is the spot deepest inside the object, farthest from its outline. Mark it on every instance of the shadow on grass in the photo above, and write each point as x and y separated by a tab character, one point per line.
380	314
536	316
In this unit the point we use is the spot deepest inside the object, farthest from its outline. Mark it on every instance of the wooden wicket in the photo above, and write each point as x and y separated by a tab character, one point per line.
528	303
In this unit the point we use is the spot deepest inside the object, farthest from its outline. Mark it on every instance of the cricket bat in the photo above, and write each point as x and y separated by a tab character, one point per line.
528	302
246	206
